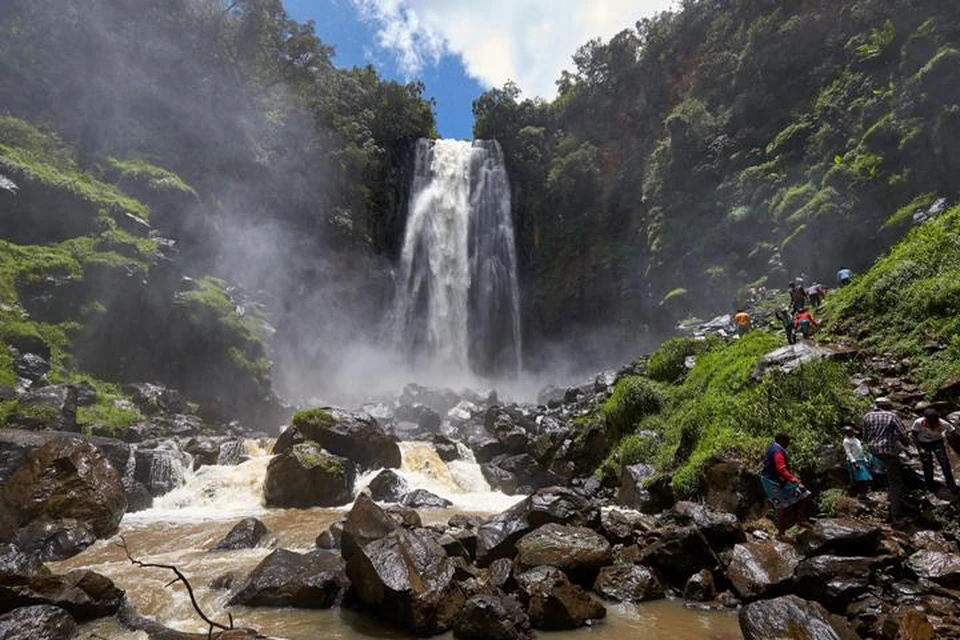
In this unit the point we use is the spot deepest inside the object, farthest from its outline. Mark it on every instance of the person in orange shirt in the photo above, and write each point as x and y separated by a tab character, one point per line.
742	322
805	323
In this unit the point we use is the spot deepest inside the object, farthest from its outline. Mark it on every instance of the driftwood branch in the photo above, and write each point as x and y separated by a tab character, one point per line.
180	578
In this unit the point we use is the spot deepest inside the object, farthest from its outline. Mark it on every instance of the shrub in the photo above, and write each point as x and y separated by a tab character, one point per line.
633	398
666	364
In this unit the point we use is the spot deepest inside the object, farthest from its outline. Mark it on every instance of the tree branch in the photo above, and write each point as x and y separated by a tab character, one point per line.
180	578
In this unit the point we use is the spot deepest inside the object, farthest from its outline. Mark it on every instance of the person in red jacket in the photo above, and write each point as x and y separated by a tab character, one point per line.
804	323
785	491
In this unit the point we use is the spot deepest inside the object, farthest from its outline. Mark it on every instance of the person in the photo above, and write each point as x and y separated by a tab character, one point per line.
858	461
885	437
784	490
844	276
784	316
805	323
816	294
798	296
929	434
742	322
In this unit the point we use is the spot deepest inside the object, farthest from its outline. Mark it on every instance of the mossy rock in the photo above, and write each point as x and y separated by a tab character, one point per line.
308	476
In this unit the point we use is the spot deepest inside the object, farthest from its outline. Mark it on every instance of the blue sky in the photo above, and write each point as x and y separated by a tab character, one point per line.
459	48
338	23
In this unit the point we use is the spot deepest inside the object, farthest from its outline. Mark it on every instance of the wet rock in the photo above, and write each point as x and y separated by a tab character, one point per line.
678	553
578	551
619	525
700	587
792	618
249	533
497	537
423	499
486	448
937	566
440	400
204	451
834	581
39	621
406	579
314	580
642	489
330	539
487	617
551	396
307	476
351	434
927	540
365	523
404	516
906	623
628	583
160	466
138	497
553	602
31	366
500	574
86	394
518	474
85	595
14	562
446	448
388	486
790	357
839	536
830	470
53	408
734	488
720	528
65	485
151	399
224	582
64	538
232	452
759	569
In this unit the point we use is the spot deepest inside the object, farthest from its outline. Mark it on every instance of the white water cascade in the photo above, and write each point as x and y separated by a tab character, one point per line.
458	298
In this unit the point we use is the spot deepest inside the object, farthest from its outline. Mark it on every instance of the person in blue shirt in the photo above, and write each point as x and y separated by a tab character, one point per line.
843	276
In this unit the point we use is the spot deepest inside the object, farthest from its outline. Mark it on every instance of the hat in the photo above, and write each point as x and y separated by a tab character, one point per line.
848	430
883	402
920	406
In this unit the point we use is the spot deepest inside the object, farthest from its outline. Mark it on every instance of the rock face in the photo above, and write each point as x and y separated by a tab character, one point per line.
314	580
791	618
246	534
486	617
65	496
628	583
85	595
38	621
497	537
351	434
554	603
407	579
387	486
578	551
759	569
307	476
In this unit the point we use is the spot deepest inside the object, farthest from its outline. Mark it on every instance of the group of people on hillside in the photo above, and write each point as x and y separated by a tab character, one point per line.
884	438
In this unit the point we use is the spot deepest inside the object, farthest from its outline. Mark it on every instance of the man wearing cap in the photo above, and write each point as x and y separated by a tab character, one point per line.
885	437
929	434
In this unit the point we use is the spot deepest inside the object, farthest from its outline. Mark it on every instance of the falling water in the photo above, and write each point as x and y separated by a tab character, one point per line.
458	301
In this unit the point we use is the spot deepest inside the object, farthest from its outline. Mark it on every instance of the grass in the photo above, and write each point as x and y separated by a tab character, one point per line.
134	170
313	418
632	399
112	408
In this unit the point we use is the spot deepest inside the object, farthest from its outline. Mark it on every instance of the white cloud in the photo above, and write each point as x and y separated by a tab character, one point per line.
529	41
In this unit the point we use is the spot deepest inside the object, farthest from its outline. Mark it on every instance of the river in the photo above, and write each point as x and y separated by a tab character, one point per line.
187	522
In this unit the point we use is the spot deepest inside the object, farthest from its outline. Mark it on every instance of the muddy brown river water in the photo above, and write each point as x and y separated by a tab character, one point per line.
183	526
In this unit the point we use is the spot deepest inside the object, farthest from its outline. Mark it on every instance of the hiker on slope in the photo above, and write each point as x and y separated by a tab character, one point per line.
784	490
929	434
886	436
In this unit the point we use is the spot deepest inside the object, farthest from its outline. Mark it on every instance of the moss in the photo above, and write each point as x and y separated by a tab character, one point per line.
311	455
137	170
8	376
633	398
317	418
666	364
112	408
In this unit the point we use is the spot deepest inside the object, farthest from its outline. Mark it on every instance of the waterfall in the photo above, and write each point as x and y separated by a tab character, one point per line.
458	299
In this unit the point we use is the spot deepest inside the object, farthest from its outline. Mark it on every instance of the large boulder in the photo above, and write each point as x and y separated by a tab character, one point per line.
388	486
517	474
792	618
937	566
678	553
579	551
553	602
161	466
314	580
407	579
38	621
619	525
53	407
246	534
628	583
66	485
789	358
642	489
720	528
308	476
733	487
365	523
423	499
351	434
497	537
14	562
85	595
489	617
839	536
834	581
759	569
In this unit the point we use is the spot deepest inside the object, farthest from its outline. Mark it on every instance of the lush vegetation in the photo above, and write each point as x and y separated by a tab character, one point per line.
720	409
728	143
908	304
